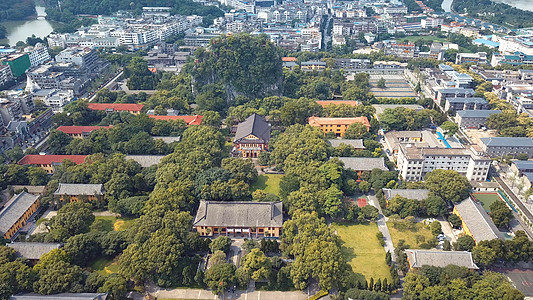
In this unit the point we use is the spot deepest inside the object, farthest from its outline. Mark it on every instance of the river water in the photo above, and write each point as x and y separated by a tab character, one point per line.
447	5
20	30
521	4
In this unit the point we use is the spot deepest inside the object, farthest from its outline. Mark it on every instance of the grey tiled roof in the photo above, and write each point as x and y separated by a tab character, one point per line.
146	160
14	209
507	141
419	258
33	250
63	296
477	220
415	194
167	139
239	214
79	189
255	125
364	163
357	144
476	113
466	100
523	164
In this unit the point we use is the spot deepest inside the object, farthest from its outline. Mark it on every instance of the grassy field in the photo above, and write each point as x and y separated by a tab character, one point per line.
269	183
424	38
486	199
114	223
362	250
413	237
105	266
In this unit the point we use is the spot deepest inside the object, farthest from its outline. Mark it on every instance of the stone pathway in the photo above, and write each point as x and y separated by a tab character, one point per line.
382	226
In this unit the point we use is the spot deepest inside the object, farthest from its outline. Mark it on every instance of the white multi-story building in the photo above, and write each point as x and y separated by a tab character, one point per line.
521	43
414	162
54	98
431	22
38	54
5	74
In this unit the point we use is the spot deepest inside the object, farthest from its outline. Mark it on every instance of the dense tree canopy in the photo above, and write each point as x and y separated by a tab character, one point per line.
243	64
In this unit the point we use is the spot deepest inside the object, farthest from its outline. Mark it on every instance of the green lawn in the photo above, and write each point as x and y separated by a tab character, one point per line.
269	183
114	223
424	38
418	234
362	250
486	199
105	266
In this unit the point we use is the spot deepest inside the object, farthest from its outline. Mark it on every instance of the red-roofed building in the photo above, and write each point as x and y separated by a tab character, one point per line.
80	132
47	162
132	108
323	103
289	58
189	120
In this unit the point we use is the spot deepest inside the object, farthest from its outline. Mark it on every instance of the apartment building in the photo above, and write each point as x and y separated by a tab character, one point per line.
477	58
415	162
444	93
473	118
499	146
460	103
37	54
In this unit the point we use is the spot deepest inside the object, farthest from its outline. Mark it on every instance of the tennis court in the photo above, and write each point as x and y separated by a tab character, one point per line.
486	199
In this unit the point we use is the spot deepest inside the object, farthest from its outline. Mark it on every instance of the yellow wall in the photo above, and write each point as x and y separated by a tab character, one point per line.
74	198
22	221
337	129
209	231
466	230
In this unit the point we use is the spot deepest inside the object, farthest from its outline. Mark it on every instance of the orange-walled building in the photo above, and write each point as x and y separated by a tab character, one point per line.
337	125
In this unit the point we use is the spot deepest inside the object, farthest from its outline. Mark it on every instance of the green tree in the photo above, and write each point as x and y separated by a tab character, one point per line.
448	184
14	154
222	243
58	141
240	169
455	221
436	228
220	277
37	176
450	128
464	243
500	214
255	265
75	218
356	131
115	286
60	277
381	83
435	206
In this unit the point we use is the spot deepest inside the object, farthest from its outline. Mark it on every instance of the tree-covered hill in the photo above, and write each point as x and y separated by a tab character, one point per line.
16	10
241	64
497	13
108	7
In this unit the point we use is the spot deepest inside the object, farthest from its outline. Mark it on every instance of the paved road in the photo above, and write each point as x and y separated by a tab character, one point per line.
240	295
382	226
518	202
106	85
